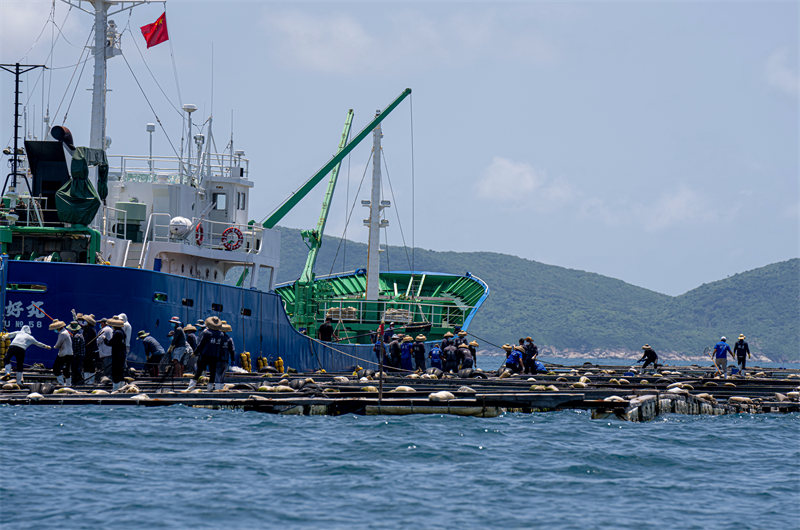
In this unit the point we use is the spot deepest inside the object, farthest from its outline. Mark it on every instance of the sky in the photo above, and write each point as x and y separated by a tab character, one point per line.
654	142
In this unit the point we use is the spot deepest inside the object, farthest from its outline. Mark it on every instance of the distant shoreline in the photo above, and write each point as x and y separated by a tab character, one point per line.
547	351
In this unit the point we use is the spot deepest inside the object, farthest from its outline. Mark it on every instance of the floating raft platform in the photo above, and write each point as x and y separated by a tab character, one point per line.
606	391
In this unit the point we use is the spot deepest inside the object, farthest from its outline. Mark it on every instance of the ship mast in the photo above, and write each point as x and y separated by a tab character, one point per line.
374	222
106	46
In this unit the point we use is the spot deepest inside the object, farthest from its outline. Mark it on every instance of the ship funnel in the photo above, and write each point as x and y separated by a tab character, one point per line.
62	134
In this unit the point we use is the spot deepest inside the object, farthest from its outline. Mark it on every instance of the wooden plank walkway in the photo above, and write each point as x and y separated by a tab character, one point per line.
606	391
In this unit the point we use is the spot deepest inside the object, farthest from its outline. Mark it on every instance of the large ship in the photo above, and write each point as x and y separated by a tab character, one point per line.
153	237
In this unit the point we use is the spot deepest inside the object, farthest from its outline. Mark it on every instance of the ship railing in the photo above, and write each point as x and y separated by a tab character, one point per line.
205	233
397	311
111	221
34	211
174	170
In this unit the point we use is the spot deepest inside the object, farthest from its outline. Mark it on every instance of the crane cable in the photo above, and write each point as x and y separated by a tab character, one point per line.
153	110
396	211
347	223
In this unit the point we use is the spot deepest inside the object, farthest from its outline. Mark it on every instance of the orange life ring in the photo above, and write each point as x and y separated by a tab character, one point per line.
232	238
198	234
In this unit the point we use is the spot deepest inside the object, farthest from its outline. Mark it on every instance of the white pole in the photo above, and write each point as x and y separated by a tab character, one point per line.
98	130
373	257
151	127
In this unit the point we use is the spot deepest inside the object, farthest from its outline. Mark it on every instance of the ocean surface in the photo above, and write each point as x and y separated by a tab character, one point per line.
179	467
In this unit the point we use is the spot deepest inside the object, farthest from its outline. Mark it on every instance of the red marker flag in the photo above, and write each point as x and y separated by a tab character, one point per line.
156	33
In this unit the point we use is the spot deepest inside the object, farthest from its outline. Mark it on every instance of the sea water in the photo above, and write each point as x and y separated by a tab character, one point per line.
181	467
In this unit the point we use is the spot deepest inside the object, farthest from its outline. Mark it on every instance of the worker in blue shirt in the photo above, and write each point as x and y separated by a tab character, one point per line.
720	353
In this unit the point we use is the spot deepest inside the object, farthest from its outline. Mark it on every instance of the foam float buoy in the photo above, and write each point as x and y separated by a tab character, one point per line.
444	395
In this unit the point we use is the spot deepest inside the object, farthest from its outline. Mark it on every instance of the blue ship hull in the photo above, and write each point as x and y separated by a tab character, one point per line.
150	299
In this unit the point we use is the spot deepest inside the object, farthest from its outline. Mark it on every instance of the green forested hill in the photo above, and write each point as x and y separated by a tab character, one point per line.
581	311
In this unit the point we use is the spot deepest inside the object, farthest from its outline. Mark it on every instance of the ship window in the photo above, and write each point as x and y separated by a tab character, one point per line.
220	201
27	287
159	297
241	201
216	307
188	302
246	312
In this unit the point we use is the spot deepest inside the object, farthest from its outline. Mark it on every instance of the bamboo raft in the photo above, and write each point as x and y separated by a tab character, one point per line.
606	391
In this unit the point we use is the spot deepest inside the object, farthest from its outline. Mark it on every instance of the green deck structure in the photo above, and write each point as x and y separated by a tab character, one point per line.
430	303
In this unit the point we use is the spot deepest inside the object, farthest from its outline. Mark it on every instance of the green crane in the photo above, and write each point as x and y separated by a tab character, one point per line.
305	307
304	314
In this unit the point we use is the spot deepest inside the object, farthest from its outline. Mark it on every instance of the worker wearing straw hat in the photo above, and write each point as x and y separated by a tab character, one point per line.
91	360
63	363
119	351
418	349
209	349
227	355
78	351
742	351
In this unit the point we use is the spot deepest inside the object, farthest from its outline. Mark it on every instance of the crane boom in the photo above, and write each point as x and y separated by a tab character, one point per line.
305	307
297	196
313	238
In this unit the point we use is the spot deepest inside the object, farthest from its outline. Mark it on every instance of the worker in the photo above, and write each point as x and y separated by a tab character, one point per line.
325	332
63	363
514	360
127	329
191	336
720	353
418	349
532	353
406	357
177	348
91	360
380	350
461	338
742	351
209	349
473	349
103	342
649	355
20	341
394	352
153	352
387	333
450	357
78	352
118	351
446	340
191	347
227	355
466	356
435	356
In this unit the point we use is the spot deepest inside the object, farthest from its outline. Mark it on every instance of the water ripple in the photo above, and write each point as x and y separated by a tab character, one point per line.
84	467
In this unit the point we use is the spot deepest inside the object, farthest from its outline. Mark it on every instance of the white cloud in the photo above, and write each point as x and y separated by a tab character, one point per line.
21	23
399	39
681	206
517	182
781	74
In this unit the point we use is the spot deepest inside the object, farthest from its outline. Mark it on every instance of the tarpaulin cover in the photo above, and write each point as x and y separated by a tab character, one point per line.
77	201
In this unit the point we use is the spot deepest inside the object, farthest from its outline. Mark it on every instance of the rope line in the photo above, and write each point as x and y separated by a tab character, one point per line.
396	211
347	223
413	190
69	83
158	120
155	80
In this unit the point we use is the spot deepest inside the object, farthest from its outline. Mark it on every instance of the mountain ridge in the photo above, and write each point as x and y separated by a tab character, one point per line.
572	310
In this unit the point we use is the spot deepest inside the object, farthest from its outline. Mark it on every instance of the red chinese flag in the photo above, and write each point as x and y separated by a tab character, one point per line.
156	33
